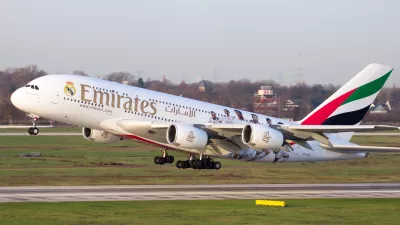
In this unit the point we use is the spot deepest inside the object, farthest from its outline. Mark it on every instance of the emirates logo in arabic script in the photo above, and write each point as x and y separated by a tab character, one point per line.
266	137
190	137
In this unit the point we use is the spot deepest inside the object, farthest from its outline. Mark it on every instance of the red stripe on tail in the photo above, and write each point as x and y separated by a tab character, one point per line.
323	113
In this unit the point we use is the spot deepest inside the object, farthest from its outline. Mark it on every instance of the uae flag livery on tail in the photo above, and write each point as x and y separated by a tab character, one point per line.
350	103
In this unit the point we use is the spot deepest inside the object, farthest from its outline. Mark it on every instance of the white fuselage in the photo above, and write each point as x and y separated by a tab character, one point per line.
91	102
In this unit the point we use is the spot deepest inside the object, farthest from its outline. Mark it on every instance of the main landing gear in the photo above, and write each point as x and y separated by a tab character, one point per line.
165	158
198	164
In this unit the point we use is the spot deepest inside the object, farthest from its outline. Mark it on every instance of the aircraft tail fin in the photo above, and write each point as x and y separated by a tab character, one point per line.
351	102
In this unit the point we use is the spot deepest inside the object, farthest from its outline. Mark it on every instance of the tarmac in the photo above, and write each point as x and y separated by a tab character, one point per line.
197	192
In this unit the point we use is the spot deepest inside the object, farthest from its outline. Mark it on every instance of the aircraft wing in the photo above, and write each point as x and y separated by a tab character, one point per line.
321	133
156	132
302	132
148	132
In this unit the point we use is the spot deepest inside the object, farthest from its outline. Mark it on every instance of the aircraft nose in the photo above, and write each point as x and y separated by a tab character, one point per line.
17	98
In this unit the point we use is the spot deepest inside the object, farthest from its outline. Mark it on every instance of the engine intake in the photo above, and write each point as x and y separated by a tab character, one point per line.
262	137
99	136
186	136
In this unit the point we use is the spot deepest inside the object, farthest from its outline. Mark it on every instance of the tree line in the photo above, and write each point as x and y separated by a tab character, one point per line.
235	93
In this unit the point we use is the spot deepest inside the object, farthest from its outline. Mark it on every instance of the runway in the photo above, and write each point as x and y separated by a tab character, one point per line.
196	192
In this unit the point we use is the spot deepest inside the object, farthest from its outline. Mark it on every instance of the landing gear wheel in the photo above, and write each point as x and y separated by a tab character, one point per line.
179	164
161	160
198	164
35	131
30	130
170	159
217	165
156	160
208	164
185	164
192	164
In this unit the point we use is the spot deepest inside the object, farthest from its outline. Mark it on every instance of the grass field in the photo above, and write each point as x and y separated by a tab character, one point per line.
68	129
75	161
323	211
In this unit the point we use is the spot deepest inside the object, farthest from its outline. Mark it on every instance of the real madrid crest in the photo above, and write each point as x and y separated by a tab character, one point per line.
69	89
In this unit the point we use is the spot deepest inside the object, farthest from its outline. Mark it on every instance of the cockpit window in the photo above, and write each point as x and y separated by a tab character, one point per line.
32	86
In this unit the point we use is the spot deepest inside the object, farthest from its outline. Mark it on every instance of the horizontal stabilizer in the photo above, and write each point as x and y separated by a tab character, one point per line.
356	148
338	128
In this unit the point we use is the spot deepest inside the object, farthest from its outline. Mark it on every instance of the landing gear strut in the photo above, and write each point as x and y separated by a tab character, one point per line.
33	130
165	158
199	164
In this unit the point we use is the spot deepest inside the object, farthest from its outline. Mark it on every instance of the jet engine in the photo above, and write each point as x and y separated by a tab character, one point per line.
186	136
262	137
99	136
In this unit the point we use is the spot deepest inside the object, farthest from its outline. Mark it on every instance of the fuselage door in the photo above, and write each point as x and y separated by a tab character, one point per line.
54	97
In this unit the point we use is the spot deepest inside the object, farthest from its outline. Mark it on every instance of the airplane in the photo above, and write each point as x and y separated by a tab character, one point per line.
110	112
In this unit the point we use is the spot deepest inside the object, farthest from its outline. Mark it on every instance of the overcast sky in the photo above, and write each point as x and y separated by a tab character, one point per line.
217	39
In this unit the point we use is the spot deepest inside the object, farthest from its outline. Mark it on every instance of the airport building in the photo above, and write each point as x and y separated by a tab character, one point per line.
267	102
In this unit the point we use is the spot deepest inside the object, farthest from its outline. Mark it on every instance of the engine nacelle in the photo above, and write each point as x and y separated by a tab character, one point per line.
186	136
262	137
99	136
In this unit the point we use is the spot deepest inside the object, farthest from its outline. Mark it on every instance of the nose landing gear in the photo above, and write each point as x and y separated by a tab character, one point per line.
33	131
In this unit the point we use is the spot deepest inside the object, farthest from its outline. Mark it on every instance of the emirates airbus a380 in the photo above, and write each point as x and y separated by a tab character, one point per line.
110	112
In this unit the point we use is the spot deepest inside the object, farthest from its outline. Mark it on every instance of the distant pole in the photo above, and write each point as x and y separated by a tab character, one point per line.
299	75
215	76
280	77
